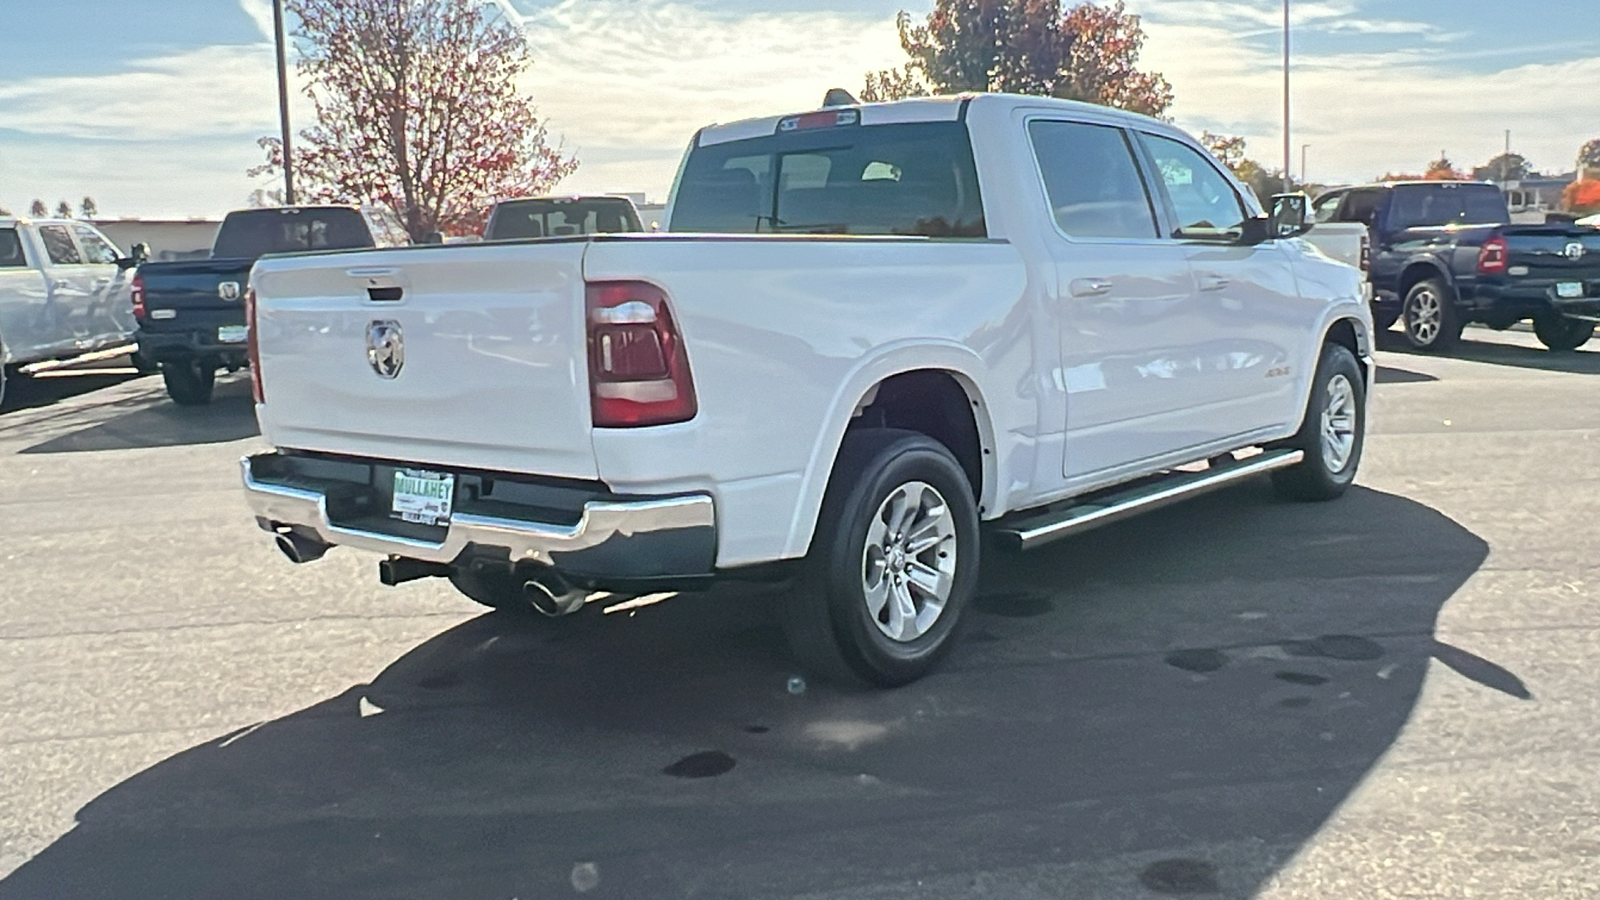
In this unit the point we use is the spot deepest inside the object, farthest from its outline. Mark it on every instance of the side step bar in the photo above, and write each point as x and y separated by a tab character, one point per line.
1034	531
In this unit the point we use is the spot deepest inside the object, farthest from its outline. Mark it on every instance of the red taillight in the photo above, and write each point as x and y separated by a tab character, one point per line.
136	293
253	346
638	370
1492	257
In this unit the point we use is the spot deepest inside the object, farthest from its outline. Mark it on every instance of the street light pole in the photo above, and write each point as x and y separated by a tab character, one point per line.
1303	149
1288	145
283	101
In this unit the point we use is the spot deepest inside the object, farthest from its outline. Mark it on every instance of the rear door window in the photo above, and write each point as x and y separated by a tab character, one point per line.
11	255
1092	181
903	179
58	244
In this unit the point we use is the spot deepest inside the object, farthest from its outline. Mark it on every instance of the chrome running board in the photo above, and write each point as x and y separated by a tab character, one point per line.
1030	531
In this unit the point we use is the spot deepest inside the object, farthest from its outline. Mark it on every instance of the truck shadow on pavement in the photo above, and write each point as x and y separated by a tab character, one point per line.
158	422
1172	705
1480	345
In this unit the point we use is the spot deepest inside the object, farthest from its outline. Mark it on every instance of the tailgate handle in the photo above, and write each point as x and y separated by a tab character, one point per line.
385	294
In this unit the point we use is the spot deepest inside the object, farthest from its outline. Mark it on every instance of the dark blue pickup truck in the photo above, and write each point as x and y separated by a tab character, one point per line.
1444	253
191	312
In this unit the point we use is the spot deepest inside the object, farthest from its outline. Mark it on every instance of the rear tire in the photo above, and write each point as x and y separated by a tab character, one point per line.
189	382
1333	433
1560	334
892	565
1430	317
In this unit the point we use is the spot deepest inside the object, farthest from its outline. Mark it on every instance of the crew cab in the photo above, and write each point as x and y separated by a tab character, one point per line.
64	292
191	312
1445	254
870	332
537	217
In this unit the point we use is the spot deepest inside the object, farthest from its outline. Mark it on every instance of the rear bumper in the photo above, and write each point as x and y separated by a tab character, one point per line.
605	538
1527	300
176	345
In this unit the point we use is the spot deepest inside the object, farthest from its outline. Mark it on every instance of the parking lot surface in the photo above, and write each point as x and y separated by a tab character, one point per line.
1393	695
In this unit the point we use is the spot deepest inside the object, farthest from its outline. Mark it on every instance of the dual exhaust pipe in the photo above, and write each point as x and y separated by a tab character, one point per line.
544	589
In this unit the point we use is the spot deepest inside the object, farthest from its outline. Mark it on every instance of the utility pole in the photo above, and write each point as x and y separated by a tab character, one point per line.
283	101
1505	161
1303	149
1287	143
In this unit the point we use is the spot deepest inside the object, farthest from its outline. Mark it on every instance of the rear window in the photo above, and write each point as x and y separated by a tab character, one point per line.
520	219
11	256
258	232
1422	205
907	179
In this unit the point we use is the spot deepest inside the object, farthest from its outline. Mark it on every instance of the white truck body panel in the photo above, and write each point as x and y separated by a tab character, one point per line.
1339	241
1194	349
58	305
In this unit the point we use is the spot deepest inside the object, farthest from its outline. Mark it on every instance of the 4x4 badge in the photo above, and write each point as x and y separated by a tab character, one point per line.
1575	251
386	348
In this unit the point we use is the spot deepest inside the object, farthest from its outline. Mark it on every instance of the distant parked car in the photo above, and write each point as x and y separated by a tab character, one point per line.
191	313
64	292
539	217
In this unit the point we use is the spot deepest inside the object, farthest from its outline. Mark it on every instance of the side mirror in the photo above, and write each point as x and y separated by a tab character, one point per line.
1291	215
136	258
1257	230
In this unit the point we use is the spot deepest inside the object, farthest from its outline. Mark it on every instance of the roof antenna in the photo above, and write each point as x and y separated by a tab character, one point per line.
839	97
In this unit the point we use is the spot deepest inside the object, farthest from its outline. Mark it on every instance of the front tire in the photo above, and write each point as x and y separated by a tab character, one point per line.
1560	334
1333	433
1430	318
189	382
893	563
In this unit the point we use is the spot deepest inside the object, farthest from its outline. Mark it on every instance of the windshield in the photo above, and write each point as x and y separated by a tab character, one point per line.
257	232
911	179
1424	205
553	217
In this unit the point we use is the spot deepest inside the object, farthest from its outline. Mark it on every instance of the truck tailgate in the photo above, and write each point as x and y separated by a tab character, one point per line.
195	284
491	371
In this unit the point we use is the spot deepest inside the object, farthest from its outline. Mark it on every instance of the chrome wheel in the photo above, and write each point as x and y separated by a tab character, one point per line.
1338	424
1424	317
909	565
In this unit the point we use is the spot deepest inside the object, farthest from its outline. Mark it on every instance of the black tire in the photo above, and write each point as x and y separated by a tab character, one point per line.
189	382
1384	319
1560	334
1316	478
1429	314
827	620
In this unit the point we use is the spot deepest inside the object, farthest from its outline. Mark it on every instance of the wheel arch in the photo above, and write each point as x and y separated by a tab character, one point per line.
919	389
1419	270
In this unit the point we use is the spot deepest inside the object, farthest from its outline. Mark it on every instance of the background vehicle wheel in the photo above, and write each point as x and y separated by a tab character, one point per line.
1430	316
893	563
5	376
190	382
1561	334
1333	433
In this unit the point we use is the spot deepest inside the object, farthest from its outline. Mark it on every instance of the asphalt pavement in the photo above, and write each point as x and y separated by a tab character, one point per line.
1393	695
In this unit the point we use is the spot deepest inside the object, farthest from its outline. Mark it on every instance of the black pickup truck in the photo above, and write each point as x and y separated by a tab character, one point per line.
1444	253
191	312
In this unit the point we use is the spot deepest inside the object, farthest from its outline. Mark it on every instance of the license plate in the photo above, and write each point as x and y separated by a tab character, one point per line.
1569	290
423	497
233	334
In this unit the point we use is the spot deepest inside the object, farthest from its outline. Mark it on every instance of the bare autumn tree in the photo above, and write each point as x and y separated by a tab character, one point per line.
418	110
89	208
1589	156
1230	151
38	210
63	210
1088	52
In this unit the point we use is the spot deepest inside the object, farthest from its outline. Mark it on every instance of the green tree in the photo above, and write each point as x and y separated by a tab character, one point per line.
1505	167
1089	53
38	210
63	210
1589	156
1442	169
1230	151
89	208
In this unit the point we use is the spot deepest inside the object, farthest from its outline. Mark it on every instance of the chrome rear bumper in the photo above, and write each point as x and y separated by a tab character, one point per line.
625	538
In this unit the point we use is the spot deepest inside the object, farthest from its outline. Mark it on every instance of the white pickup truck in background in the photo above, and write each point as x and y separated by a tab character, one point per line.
64	292
868	330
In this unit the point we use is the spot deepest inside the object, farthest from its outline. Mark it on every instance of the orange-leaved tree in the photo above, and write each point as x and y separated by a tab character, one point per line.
418	110
1087	52
1582	197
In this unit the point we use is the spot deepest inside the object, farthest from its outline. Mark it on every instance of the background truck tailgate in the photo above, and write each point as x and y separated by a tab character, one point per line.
494	372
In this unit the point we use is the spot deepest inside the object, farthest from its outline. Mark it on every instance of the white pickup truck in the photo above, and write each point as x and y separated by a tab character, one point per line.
867	330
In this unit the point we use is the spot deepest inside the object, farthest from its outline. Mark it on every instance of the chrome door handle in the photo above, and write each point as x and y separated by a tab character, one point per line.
61	284
1213	282
1090	287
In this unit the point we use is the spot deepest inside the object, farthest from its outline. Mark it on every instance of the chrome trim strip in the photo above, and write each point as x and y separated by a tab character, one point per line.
1082	518
602	521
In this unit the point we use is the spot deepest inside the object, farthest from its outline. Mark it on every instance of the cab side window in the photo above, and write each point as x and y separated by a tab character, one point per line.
58	243
1202	197
97	251
1092	181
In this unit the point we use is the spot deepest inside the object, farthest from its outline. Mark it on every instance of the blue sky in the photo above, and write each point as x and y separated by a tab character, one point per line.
155	112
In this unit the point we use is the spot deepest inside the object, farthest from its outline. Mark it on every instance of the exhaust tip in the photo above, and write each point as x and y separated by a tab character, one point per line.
300	550
551	595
